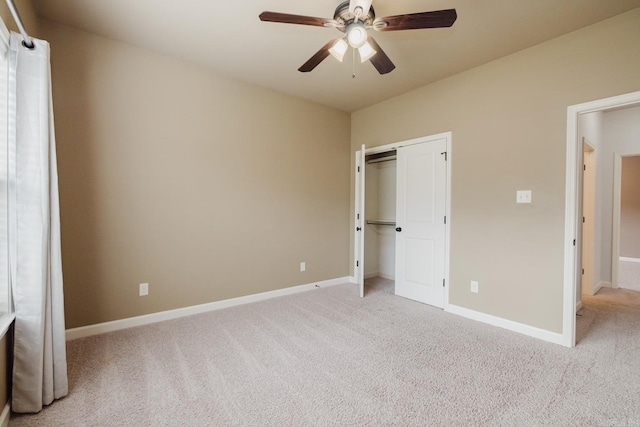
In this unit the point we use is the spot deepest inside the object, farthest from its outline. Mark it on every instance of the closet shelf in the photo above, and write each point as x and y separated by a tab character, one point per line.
381	222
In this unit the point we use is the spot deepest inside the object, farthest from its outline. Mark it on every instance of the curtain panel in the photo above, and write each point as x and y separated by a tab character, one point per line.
39	361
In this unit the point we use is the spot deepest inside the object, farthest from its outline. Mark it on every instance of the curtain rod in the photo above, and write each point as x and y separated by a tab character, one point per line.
27	42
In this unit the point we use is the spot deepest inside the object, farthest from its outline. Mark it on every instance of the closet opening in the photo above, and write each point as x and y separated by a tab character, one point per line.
401	232
380	216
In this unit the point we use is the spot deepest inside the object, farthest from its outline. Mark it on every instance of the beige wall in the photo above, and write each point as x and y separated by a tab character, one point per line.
630	208
205	187
27	14
508	119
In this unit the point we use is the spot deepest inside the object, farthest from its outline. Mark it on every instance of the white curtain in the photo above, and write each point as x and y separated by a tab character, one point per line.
39	361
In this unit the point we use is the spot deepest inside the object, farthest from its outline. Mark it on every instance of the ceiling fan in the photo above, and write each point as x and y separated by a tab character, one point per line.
354	18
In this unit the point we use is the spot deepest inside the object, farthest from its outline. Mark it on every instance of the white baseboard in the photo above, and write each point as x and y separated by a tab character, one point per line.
521	328
115	325
587	290
6	414
624	258
378	274
601	285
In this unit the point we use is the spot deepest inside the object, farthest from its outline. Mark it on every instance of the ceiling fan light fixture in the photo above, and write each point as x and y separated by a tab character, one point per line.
357	35
366	52
338	49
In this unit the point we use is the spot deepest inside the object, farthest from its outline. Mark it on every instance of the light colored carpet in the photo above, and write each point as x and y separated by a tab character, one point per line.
327	357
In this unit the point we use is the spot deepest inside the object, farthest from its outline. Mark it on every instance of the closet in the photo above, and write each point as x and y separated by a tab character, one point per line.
380	215
401	229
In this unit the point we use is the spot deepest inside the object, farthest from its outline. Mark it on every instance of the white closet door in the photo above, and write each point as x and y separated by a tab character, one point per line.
359	220
420	222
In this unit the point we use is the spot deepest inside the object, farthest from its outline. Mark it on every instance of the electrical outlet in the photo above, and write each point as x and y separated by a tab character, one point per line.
523	196
303	266
144	289
474	287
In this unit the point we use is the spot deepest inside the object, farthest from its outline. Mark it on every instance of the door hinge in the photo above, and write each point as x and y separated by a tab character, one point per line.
443	283
445	156
358	217
583	220
583	271
584	167
445	219
357	263
358	169
574	242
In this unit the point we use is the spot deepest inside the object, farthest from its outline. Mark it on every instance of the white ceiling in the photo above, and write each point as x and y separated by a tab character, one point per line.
228	38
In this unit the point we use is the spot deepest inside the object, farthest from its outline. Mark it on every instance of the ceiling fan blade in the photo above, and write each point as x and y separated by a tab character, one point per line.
293	19
316	59
380	60
416	21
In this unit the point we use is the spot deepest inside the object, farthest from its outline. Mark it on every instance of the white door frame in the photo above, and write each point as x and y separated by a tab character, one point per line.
588	211
394	146
573	210
358	233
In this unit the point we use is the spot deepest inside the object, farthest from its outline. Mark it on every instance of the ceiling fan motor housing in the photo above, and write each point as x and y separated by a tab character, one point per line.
359	7
345	17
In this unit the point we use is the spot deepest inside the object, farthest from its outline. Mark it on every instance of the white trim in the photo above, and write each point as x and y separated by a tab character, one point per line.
396	145
116	325
357	269
447	226
378	274
570	253
601	285
571	205
5	416
615	234
627	259
361	168
510	325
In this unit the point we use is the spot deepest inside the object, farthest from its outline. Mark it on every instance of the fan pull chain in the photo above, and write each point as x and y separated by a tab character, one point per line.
353	64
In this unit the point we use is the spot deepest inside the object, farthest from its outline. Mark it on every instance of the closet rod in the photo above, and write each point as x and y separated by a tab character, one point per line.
27	42
380	222
384	159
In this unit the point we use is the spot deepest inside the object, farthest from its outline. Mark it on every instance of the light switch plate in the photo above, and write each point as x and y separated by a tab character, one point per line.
144	289
523	196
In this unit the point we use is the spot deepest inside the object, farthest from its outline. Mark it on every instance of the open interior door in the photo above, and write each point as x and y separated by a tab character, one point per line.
359	220
421	222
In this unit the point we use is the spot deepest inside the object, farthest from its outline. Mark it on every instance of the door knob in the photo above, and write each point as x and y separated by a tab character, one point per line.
358	228
398	229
